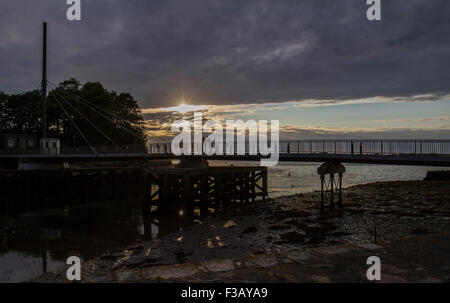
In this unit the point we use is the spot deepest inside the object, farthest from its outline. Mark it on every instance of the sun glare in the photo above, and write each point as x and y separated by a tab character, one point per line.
184	108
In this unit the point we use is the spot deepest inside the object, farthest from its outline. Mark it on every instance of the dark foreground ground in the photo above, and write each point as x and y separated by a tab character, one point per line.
422	258
406	224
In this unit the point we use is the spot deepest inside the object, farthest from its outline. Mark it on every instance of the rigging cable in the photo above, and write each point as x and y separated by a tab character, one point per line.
103	115
89	121
84	101
76	126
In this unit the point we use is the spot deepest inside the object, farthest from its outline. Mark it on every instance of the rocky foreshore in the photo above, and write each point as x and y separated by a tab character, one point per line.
378	214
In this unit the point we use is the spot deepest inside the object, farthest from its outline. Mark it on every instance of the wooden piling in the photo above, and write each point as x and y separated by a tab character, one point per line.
170	189
204	191
188	201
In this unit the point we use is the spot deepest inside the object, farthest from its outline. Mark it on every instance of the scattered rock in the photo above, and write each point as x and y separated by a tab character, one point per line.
292	222
170	272
298	256
316	240
297	213
264	260
320	279
278	227
340	234
230	224
292	237
108	257
314	230
370	246
420	231
218	266
332	250
123	276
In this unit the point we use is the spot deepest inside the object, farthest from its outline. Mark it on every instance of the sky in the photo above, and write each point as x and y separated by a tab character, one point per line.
318	66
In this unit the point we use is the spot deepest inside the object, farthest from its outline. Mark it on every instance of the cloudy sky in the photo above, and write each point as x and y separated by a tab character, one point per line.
318	66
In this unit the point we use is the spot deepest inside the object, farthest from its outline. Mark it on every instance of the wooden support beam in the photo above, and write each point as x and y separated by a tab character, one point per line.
253	185
188	201
204	190
265	185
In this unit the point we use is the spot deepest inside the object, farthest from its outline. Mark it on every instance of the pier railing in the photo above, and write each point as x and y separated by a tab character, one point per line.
371	147
82	150
346	147
339	147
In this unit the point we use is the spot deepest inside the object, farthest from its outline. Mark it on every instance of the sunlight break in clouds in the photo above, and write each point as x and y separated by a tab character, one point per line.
182	108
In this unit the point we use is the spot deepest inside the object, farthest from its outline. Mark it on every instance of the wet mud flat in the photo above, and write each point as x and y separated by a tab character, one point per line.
373	213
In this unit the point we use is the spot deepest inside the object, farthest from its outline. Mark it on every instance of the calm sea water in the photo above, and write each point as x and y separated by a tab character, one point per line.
32	243
289	178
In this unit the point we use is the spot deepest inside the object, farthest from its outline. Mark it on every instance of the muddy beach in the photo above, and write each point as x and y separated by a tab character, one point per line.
375	213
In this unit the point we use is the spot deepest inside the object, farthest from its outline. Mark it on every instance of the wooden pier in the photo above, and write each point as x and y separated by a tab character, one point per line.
35	190
181	191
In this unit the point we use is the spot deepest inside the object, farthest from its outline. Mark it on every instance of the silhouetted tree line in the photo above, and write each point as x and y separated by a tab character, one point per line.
21	114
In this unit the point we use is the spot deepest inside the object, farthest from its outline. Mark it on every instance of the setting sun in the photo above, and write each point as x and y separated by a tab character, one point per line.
185	108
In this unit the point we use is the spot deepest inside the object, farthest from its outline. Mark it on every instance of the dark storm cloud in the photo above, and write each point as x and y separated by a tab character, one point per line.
224	52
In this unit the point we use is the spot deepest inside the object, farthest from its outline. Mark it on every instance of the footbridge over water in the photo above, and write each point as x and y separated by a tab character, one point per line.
395	152
392	152
192	180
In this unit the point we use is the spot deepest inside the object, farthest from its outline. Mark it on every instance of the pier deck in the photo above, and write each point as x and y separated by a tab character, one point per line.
170	189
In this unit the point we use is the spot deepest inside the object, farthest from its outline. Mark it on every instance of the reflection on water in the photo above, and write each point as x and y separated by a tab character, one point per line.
34	242
17	266
289	178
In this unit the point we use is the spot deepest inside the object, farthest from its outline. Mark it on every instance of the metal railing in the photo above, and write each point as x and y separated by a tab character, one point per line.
347	147
341	147
78	150
367	147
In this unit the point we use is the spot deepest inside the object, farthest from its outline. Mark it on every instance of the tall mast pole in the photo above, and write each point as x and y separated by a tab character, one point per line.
44	82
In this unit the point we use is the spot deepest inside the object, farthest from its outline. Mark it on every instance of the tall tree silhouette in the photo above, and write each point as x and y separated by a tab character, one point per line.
105	117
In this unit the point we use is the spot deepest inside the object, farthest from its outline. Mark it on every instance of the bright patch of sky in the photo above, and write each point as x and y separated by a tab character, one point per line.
359	116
